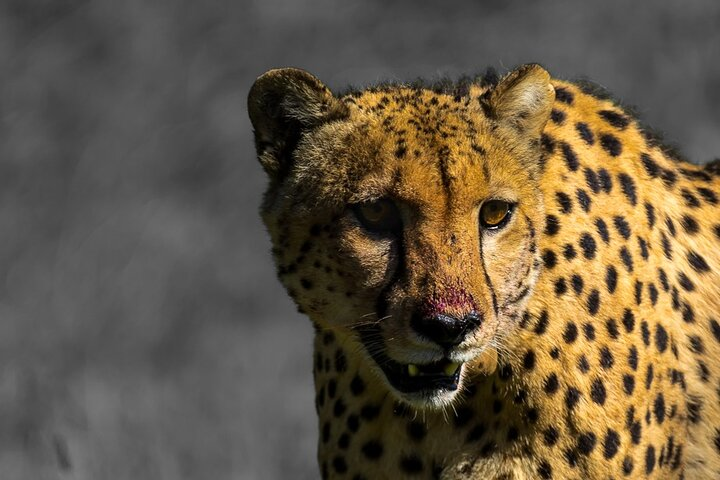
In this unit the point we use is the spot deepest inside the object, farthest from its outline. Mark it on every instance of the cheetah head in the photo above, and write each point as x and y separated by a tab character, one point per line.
405	219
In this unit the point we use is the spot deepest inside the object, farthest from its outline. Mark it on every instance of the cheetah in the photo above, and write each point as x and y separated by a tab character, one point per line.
508	278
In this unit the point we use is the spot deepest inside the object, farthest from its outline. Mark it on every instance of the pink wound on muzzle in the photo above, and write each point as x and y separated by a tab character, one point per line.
453	302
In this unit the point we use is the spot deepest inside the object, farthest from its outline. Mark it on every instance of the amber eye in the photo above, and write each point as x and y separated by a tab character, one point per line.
494	214
379	216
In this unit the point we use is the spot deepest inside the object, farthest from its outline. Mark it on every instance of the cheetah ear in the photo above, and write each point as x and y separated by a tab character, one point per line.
283	104
524	99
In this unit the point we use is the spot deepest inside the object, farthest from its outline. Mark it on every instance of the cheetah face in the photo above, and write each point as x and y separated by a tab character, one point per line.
406	220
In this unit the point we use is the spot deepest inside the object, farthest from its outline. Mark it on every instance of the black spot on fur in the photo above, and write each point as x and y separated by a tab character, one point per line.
696	344
547	142
653	292
633	357
627	466
708	195
602	230
694	409
611	444
611	144
661	338
715	329
649	375
339	464
569	252
650	214
571	333
357	386
635	432
598	394
583	364
353	423
697	262
549	259
659	408
628	320
593	302
642	244
670	226
626	258
571	457
577	283
552	225
592	180
622	226
605	180
612	328
583	199
551	384
529	360
372	449
685	282
606	358
586	443
628	187
339	408
688	315
550	436
628	384
662	276
585	133
615	119
545	470
542	324
695	175
588	245
645	332
690	199
651	167
649	459
564	202
570	157
563	95
666	246
689	224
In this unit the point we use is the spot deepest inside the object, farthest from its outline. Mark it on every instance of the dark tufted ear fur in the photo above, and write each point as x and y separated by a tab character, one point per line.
523	99
283	103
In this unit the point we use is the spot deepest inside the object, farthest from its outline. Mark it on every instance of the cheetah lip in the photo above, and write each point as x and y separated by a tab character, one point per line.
412	378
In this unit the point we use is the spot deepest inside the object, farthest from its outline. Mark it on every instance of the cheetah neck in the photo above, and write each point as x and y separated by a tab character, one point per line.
361	422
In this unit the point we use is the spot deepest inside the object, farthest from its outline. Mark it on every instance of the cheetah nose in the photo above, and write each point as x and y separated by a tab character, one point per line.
445	330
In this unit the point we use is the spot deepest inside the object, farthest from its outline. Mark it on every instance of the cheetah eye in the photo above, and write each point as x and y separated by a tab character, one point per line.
379	216
495	214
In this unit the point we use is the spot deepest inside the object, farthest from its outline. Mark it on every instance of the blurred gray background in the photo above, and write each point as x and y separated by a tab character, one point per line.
143	334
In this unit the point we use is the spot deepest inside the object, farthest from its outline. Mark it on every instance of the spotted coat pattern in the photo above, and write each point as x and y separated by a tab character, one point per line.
599	355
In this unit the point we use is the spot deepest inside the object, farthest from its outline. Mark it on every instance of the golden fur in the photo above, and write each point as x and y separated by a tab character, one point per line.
598	352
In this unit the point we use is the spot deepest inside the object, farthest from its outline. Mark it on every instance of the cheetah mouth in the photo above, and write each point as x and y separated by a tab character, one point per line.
431	377
424	380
